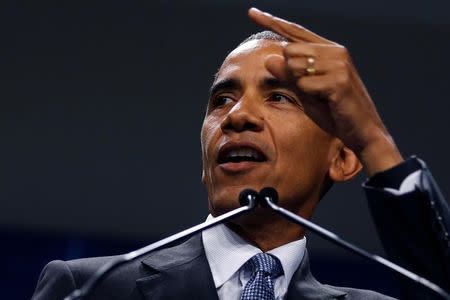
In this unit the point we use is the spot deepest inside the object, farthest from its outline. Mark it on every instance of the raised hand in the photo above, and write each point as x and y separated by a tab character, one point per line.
335	96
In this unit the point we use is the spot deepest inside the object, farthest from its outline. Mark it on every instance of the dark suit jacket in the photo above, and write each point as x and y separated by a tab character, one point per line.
413	225
414	228
179	272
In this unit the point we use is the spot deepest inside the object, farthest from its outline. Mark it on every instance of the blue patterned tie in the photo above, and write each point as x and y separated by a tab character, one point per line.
265	268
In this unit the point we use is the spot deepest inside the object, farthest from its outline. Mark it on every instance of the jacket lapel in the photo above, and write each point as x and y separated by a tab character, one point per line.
182	272
179	272
304	286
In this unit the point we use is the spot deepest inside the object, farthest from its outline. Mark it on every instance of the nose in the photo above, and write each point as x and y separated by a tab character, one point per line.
244	116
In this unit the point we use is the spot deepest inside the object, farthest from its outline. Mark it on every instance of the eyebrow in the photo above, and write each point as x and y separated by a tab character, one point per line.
274	83
267	82
225	84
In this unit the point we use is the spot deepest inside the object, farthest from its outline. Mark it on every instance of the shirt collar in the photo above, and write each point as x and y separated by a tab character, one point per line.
290	256
226	252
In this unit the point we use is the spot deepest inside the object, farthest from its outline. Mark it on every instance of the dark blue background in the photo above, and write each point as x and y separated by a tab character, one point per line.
102	105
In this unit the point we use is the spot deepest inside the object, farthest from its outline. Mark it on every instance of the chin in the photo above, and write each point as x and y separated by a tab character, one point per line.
226	199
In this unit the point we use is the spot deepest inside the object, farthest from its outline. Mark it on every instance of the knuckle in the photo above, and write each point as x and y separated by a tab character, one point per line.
293	49
290	63
342	51
295	66
334	97
342	79
290	49
341	64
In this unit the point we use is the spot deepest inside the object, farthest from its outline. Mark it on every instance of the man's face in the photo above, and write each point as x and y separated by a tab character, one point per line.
256	134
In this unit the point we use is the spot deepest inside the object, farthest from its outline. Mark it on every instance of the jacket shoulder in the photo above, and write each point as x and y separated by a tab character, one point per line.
60	278
83	268
55	282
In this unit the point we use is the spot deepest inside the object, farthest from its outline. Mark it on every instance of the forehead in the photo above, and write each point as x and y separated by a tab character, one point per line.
249	56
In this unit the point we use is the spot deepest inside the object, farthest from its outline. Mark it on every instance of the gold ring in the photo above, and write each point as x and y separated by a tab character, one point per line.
310	70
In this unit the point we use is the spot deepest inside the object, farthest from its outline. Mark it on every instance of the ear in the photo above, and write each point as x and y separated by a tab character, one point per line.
203	176
344	165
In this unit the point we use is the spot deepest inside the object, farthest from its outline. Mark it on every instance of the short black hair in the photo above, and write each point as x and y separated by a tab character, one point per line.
262	35
265	35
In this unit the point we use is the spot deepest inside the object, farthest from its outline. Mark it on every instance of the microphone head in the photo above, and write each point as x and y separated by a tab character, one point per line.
268	192
248	197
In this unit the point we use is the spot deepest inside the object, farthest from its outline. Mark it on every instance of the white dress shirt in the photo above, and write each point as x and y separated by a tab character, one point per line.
227	252
409	184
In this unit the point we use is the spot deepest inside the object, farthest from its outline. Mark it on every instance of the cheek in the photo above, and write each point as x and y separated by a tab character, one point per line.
302	165
208	135
304	149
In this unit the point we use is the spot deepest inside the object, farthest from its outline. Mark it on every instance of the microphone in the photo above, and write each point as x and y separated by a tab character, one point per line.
268	197
268	194
247	198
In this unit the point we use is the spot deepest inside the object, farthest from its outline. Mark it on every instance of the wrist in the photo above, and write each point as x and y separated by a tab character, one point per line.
380	154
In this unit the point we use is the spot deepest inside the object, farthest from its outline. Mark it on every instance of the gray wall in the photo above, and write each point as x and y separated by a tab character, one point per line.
102	105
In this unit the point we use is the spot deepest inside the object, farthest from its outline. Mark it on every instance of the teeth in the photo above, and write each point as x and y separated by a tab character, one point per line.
243	152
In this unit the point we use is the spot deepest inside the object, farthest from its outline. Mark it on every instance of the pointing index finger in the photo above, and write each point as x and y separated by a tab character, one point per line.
293	32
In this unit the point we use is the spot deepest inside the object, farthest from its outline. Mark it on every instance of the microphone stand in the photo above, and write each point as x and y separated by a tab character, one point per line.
248	200
270	196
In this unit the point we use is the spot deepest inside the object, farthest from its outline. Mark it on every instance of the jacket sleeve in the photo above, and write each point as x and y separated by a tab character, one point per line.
414	229
55	282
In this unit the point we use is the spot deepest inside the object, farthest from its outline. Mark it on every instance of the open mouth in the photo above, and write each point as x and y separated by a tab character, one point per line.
238	154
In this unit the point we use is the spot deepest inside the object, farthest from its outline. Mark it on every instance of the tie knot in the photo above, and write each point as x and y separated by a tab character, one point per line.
266	263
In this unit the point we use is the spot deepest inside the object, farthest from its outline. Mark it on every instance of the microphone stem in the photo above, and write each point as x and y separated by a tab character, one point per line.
103	271
340	242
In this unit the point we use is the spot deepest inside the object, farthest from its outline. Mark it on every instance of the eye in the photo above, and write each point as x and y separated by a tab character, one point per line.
220	100
278	97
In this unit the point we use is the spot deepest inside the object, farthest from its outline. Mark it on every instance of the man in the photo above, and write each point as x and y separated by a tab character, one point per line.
286	110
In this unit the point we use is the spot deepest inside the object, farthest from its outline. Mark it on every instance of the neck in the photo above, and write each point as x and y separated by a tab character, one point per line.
266	230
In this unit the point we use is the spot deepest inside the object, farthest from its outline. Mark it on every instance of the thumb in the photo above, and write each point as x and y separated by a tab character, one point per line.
276	65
